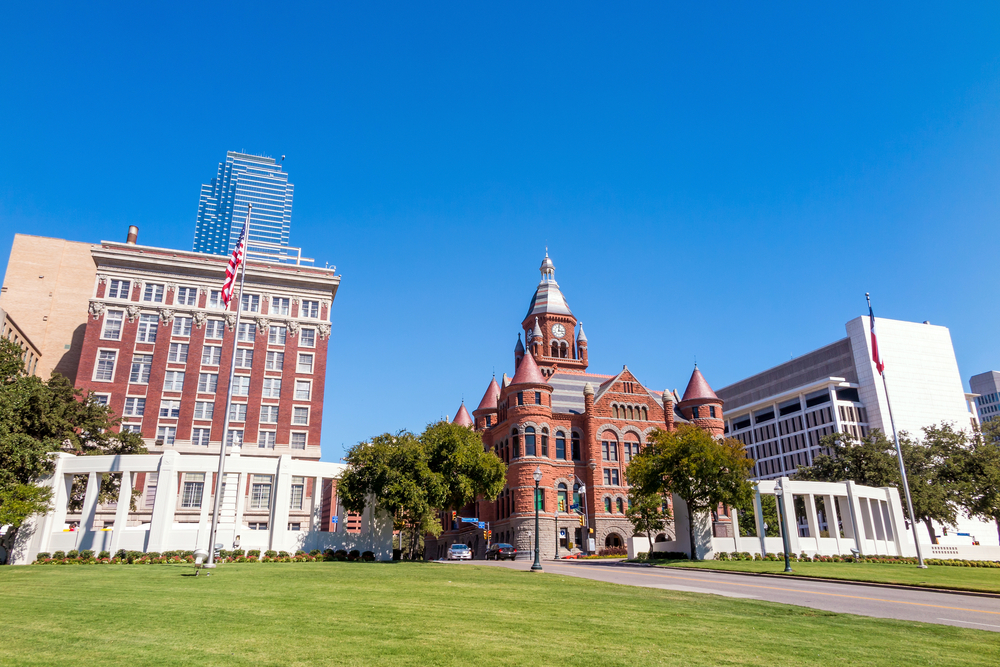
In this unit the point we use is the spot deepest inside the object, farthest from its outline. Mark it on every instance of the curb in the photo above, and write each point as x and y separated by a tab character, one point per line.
852	582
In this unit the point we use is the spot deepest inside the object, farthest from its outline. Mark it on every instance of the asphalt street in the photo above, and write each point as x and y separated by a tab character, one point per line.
966	611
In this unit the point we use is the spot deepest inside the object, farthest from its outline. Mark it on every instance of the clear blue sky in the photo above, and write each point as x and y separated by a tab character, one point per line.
723	182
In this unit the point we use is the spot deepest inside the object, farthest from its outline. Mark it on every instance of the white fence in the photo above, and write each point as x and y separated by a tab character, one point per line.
155	527
832	518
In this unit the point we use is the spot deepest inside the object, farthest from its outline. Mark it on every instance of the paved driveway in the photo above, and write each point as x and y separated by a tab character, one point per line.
966	611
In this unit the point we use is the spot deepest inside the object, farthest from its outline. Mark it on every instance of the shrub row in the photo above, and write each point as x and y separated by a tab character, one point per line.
850	558
87	557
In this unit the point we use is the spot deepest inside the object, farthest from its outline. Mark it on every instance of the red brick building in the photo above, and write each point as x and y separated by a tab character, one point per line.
580	428
158	344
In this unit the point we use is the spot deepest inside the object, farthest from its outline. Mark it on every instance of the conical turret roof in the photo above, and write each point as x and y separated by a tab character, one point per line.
698	388
527	372
463	418
581	337
519	348
489	401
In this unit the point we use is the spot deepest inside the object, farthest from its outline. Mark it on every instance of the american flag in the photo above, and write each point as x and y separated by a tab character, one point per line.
875	357
234	262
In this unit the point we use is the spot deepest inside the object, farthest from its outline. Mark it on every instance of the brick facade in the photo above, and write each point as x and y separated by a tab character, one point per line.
580	429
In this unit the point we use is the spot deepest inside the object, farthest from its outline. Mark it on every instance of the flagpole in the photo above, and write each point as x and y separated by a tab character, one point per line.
229	400
899	450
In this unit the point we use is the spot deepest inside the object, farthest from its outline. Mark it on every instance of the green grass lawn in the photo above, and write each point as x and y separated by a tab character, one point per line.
422	614
935	576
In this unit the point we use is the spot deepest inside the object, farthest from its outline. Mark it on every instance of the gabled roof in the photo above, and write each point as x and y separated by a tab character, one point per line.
463	418
527	372
489	401
698	388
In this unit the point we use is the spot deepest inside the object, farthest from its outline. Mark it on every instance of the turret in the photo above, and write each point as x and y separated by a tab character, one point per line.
518	352
463	418
581	345
486	414
701	405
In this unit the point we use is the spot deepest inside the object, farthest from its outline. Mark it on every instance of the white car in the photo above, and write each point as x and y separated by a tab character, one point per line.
459	552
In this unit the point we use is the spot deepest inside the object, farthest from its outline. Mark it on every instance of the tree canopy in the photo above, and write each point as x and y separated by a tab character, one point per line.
38	418
413	477
648	514
702	470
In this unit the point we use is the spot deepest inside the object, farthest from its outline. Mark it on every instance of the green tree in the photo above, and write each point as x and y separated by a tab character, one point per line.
748	520
413	478
870	461
703	471
648	514
36	419
981	474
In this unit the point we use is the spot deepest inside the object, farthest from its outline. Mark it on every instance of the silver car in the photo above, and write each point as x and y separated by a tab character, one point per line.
459	552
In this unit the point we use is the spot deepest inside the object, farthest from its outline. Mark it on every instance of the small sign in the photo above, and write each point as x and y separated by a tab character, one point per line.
562	533
469	519
591	545
333	519
482	525
575	506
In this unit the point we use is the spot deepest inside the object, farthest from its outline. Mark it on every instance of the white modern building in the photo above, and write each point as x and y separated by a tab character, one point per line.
986	388
782	413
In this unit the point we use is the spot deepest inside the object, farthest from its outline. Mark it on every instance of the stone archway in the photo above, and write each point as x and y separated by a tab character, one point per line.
613	541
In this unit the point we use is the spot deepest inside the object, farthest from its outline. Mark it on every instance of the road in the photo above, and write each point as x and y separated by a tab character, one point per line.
965	611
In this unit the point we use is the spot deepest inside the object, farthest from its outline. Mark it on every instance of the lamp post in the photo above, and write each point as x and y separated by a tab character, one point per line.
537	565
778	492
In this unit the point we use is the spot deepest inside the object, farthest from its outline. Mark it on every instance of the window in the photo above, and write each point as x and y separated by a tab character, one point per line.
208	383
562	504
257	525
516	440
119	289
215	299
166	434
271	388
199	436
182	326
241	385
295	525
173	381
545	442
305	364
298	441
694	412
153	293
204	410
246	332
170	408
711	412
148	324
102	399
307	338
611	476
266	439
238	412
141	365
250	303
214	329
244	358
300	416
234	436
211	355
609	450
276	335
529	441
298	492
310	309
150	488
186	296
105	371
132	428
134	407
260	492
281	305
631	451
576	446
194	485
274	361
269	414
520	398
538	398
178	353
303	390
607	505
560	445
113	325
619	506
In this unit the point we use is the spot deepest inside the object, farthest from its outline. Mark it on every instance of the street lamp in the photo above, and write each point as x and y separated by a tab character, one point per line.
537	565
778	492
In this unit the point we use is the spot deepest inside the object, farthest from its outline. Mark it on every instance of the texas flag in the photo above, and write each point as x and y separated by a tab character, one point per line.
878	362
234	262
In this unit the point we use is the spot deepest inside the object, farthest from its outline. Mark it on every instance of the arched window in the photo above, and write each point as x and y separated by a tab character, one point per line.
560	445
620	506
607	505
576	446
517	445
609	446
555	349
613	541
645	414
662	537
545	442
614	411
630	413
563	495
564	350
529	441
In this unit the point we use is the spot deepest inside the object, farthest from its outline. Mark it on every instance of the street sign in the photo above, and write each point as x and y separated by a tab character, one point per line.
333	519
482	525
575	506
469	519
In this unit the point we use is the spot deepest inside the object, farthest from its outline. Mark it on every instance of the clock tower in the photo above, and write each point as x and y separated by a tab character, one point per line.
550	326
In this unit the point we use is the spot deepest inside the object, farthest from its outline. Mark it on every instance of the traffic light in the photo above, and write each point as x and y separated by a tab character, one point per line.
454	515
581	519
486	535
489	534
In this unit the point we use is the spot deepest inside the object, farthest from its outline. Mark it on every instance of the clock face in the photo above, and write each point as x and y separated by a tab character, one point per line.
558	330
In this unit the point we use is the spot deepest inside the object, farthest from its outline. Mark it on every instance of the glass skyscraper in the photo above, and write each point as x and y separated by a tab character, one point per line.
243	179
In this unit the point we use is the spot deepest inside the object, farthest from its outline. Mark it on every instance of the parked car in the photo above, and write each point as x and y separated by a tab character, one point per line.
501	551
459	552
